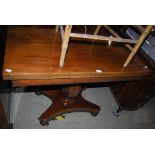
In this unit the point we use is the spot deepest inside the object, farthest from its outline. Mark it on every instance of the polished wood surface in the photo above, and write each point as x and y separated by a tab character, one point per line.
67	100
86	80
34	53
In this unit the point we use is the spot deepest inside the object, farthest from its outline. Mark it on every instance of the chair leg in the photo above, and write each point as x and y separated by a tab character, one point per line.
57	28
65	43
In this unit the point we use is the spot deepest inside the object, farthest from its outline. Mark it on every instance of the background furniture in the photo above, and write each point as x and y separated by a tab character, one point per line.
138	93
5	88
142	91
4	124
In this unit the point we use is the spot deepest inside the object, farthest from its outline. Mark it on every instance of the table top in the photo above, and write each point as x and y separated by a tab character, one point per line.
34	53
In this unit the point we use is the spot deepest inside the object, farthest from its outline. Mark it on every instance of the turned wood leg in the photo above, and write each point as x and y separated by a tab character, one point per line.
67	100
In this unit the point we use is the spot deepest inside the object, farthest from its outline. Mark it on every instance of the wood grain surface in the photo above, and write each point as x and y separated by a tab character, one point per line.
34	53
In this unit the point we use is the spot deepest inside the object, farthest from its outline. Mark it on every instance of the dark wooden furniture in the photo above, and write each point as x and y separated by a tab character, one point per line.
141	91
5	88
4	124
32	59
134	94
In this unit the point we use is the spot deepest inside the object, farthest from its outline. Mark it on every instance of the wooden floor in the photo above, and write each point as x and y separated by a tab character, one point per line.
34	53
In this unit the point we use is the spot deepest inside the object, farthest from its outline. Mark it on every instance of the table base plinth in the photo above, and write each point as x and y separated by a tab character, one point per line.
62	104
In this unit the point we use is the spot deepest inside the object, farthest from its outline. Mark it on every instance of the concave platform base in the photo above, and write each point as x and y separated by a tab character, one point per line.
67	100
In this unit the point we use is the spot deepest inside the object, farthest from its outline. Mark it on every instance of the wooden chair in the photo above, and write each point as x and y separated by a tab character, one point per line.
66	35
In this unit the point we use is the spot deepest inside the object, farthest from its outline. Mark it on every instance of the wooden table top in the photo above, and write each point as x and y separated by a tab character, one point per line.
34	53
